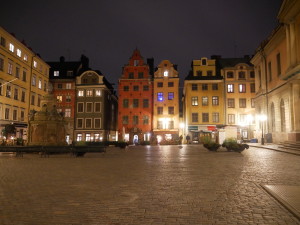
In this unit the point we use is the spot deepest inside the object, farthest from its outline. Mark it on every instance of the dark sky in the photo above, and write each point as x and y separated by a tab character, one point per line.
108	31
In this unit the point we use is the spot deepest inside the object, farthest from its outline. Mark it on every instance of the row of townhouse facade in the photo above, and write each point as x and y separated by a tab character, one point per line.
24	78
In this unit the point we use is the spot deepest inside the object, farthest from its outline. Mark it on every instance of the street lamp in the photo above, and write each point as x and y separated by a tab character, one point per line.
262	118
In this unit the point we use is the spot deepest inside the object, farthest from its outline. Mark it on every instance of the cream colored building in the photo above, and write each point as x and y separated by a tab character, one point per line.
23	83
277	78
166	102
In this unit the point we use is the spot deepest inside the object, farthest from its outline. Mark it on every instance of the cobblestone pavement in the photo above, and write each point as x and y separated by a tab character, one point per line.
147	185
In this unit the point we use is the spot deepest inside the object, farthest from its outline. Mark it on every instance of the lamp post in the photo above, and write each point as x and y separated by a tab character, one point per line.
262	118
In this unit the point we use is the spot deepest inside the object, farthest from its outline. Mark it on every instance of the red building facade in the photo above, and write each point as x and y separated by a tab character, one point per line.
135	101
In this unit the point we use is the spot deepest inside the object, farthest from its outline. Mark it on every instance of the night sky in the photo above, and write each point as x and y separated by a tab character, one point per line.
108	31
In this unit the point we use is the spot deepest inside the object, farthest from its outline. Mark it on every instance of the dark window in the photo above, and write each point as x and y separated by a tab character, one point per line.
131	76
242	75
125	120
145	103
231	102
204	62
125	103
242	103
205	117
194	87
160	110
229	74
135	120
252	87
252	74
199	73
170	84
195	117
3	41
145	88
80	107
1	64
204	87
270	71
141	75
59	86
135	103
135	88
170	95
278	64
171	110
209	73
215	87
160	84
126	88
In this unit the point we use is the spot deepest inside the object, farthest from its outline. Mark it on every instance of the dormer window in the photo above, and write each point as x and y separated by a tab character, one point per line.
204	62
56	73
166	73
136	62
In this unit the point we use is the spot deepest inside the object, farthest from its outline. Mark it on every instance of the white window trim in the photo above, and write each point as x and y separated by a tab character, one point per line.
87	107
77	122
95	107
95	123
78	107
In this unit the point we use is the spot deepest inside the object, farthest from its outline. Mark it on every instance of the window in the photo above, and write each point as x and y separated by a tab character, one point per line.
170	84
159	124
194	117
35	64
40	84
230	88
145	103
229	74
141	75
32	99
243	118
125	120
135	103
80	123
204	62
130	76
80	93
215	117
171	124
145	120
270	70
19	52
1	64
160	84
215	100
170	95
171	110
242	103
160	96
215	87
59	98
6	116
17	72
45	85
39	101
126	88
205	117
56	73
16	94
68	85
88	123
195	100
79	137
204	100
252	74
97	123
242	75
252	103
209	73
166	73
24	75
69	73
231	118
89	107
10	68
25	57
8	91
242	88
11	47
97	107
59	86
231	102
89	93
278	60
136	62
22	115
68	98
125	103
23	96
80	107
135	120
204	87
199	73
135	88
252	87
145	88
160	110
97	92
33	82
15	114
194	87
3	42
68	113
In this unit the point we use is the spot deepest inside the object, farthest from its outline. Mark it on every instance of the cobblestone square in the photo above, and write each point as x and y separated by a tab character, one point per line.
147	185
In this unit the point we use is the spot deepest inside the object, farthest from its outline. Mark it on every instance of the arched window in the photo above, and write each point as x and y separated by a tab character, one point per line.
282	116
272	119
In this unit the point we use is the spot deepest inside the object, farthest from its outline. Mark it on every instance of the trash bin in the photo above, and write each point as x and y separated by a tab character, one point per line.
254	140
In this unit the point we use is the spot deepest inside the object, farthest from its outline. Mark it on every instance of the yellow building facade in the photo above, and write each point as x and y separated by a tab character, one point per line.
24	80
203	100
166	102
277	78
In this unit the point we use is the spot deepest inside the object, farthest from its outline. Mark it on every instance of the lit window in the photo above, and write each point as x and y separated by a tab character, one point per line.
204	100
79	137
35	64
215	117
195	100
160	96
19	52
56	73
59	98
33	82
40	84
89	93
88	137
230	88
98	93
68	85
80	93
11	47
170	95
25	57
231	118
166	73
242	88
215	100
